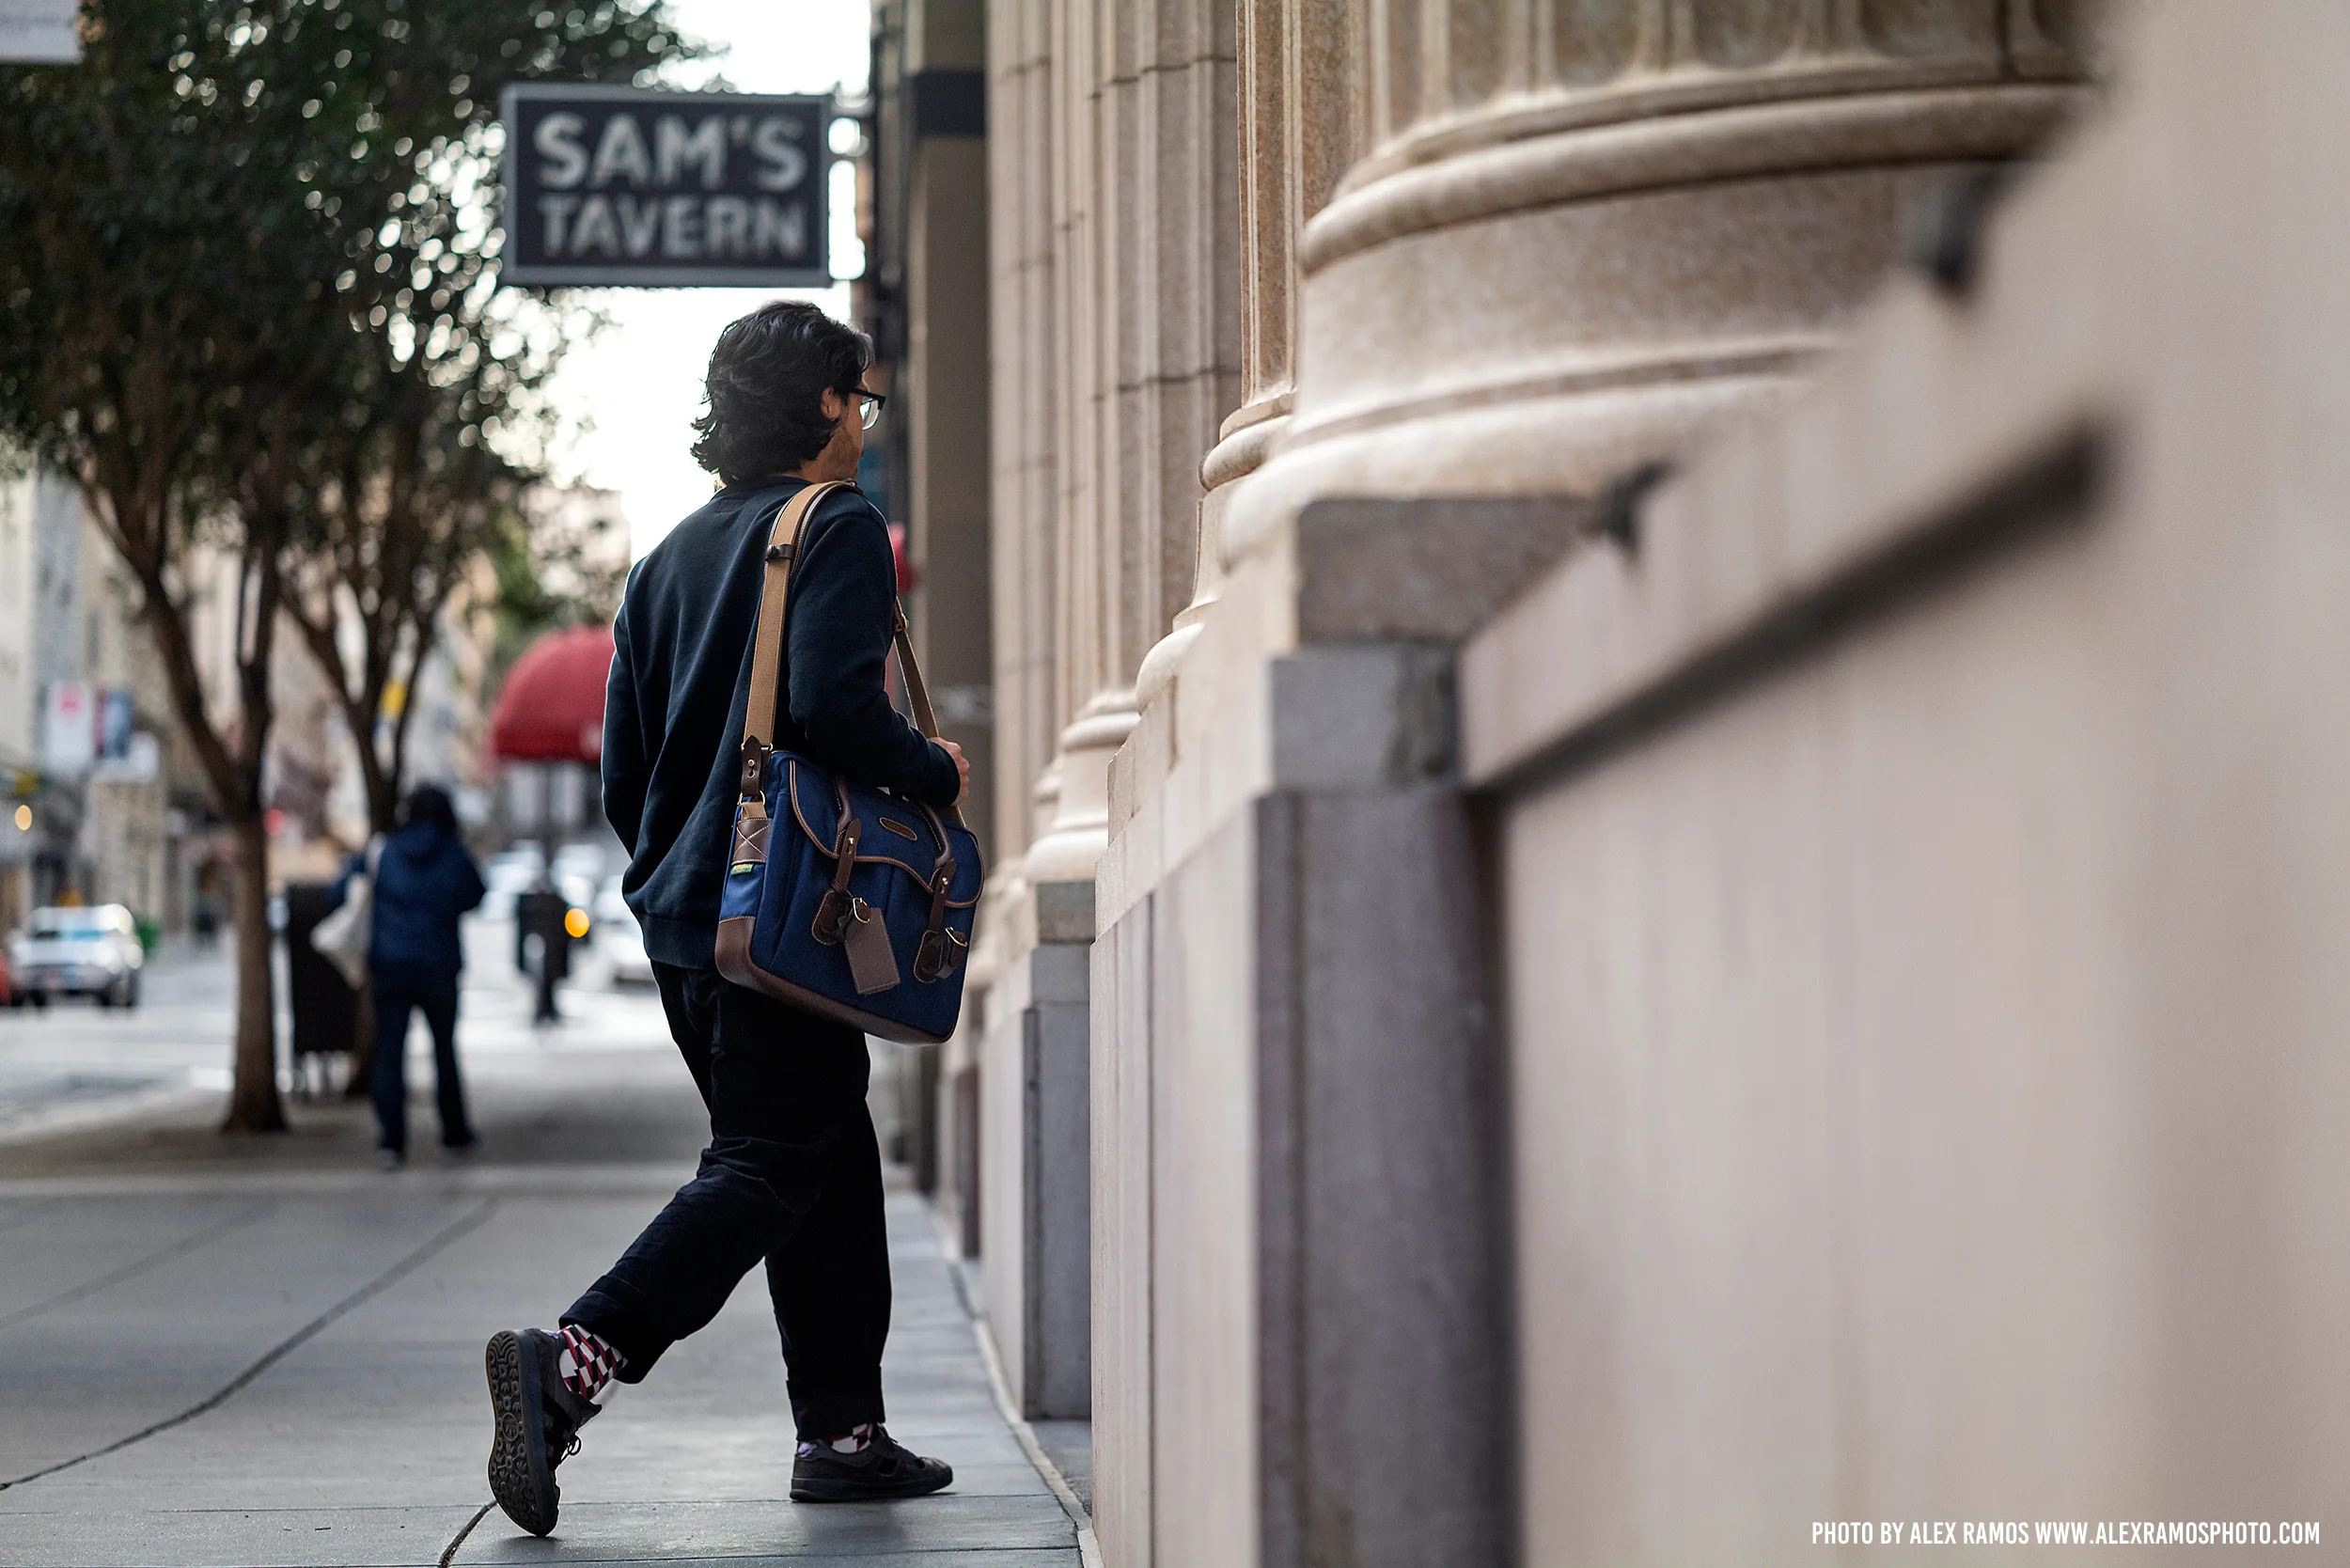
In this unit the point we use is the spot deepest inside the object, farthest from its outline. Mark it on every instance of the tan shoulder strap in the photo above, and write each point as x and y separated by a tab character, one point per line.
775	598
917	694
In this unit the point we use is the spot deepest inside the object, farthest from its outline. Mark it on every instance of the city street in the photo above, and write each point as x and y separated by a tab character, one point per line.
230	1350
1574	768
75	1063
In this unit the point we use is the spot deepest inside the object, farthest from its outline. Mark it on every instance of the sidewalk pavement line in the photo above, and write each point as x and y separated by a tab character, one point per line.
284	1347
450	1556
139	1265
610	1180
1088	1549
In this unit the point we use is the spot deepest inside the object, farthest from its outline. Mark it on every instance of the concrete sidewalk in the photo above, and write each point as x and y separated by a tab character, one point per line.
213	1352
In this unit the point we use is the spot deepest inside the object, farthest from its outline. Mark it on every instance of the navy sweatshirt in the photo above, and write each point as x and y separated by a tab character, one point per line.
681	678
424	879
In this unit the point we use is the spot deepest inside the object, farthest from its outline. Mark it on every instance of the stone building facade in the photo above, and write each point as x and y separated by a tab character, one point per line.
926	300
1644	846
99	830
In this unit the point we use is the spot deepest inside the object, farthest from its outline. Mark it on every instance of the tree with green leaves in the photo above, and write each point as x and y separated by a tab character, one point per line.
201	257
439	419
407	494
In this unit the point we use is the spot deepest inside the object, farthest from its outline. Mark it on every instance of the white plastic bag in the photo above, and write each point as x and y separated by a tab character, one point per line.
344	937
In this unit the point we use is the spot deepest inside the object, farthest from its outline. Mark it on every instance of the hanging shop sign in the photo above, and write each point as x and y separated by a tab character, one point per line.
40	32
70	728
635	186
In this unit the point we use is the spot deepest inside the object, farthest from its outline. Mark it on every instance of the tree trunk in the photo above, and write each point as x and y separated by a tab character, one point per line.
254	1106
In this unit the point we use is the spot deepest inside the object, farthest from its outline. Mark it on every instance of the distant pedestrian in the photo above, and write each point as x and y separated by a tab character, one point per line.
792	1174
424	878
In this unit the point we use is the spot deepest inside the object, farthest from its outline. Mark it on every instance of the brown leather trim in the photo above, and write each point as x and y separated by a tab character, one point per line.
900	829
792	793
735	964
751	825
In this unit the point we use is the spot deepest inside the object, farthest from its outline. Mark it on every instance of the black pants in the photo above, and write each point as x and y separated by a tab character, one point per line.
398	993
793	1175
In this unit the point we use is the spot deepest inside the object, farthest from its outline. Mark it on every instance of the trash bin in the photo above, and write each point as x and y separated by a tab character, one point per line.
325	1009
546	942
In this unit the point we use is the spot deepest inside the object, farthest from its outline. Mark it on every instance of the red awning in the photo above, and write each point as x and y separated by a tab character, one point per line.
907	576
551	709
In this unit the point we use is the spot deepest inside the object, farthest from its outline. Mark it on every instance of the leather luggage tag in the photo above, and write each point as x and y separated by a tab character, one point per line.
871	964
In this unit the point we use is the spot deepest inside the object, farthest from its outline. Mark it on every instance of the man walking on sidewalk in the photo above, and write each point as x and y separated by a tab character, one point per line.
792	1173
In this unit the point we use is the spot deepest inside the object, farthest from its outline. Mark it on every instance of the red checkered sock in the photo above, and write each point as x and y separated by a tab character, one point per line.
588	1362
858	1439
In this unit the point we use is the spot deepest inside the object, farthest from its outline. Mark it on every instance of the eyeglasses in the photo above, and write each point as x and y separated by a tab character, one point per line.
869	411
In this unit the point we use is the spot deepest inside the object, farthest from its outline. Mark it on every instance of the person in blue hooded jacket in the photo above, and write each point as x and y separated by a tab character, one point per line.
424	878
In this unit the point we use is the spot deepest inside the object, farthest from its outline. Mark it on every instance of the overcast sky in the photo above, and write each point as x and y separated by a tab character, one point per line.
641	381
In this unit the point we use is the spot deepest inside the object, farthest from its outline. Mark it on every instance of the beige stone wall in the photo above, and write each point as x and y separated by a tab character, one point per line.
1497	249
1134	339
1505	253
1115	339
1024	341
1920	863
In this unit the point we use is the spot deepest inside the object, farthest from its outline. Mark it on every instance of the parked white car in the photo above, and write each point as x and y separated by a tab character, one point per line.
620	940
78	952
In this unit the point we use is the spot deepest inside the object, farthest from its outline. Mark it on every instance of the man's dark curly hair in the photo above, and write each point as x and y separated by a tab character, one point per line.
767	380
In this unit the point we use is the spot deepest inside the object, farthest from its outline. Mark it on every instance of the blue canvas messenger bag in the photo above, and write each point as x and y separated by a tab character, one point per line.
843	900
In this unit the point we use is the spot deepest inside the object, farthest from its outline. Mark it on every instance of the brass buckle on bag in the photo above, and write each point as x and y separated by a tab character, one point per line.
754	775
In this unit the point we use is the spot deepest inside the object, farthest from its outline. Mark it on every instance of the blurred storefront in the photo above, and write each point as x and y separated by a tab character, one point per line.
101	801
85	730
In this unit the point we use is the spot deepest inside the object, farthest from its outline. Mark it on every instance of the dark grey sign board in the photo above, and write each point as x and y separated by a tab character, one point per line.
636	187
40	32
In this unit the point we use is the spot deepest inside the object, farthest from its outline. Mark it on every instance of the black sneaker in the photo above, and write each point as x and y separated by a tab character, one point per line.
882	1469
538	1424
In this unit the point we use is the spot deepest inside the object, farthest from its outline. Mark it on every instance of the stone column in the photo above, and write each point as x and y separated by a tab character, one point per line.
1024	343
1125	344
1149	242
1582	233
1295	131
929	287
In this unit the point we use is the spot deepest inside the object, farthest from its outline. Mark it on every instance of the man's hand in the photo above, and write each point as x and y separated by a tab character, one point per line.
963	769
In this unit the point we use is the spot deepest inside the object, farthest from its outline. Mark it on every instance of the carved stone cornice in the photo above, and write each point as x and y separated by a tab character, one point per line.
1489	177
1563	247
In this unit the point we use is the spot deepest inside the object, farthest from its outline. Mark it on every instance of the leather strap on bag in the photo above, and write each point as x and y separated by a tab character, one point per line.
767	643
934	956
917	692
774	597
837	908
918	696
